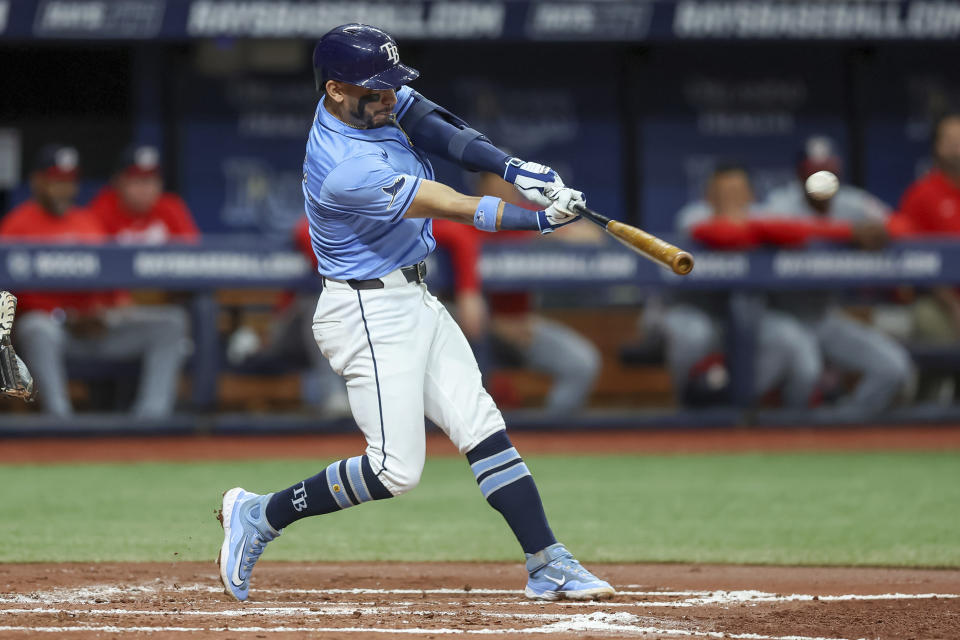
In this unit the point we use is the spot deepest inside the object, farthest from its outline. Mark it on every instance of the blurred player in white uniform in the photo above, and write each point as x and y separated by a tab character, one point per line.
693	324
882	364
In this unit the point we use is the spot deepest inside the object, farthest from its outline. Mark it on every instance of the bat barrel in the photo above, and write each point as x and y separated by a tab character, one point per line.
682	263
647	245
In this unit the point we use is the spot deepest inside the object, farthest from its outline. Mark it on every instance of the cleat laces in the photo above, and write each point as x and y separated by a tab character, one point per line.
573	569
253	553
258	541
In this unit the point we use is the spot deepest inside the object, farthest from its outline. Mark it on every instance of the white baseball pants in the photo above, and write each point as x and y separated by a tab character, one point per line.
403	357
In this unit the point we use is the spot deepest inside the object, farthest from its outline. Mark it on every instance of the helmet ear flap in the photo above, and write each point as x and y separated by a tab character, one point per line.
319	77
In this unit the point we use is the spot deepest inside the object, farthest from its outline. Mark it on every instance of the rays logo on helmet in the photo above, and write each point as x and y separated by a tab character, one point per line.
393	54
394	189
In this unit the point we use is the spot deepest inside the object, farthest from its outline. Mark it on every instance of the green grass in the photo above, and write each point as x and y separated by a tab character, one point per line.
845	509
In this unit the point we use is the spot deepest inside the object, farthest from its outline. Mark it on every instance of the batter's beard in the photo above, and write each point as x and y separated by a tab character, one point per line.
390	120
358	118
364	119
369	121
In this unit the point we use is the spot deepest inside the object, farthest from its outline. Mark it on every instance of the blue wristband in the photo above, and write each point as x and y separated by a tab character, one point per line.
485	217
516	218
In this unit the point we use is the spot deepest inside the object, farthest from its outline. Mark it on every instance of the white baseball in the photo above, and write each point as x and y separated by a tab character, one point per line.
822	185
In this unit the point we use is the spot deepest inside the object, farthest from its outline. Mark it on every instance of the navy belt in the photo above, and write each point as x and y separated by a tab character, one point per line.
413	273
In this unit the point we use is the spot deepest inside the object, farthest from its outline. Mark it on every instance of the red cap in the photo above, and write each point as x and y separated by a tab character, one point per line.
58	162
818	155
139	161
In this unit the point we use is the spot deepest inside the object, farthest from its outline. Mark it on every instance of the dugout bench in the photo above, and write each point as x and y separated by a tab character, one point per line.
608	274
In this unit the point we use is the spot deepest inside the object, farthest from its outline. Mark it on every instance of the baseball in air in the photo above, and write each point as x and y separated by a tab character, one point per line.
822	185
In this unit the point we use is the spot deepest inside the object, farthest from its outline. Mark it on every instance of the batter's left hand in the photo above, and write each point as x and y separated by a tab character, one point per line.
532	179
562	211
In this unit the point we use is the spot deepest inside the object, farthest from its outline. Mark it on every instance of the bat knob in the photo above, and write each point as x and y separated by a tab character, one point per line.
682	263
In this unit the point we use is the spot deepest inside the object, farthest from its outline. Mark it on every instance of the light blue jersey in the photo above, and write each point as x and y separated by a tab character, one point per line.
357	186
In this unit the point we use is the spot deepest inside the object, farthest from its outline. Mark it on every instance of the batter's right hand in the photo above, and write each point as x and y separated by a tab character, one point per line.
562	211
532	179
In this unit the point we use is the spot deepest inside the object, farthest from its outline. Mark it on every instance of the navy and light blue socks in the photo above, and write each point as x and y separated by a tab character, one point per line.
507	485
343	484
503	478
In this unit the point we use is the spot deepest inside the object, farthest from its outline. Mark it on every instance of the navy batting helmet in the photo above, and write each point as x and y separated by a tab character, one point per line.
361	55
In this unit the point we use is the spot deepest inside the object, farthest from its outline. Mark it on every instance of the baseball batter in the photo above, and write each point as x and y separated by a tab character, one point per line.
370	197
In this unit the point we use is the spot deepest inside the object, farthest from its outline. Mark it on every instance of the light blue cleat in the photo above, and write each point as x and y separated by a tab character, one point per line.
245	534
556	574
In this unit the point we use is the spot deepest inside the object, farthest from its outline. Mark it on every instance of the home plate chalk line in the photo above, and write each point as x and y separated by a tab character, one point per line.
91	594
237	620
594	626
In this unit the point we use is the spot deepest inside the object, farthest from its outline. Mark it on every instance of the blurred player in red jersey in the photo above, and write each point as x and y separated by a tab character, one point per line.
52	326
931	207
524	338
52	211
134	209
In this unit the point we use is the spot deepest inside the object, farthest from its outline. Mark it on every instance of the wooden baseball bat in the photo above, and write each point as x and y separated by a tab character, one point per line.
647	245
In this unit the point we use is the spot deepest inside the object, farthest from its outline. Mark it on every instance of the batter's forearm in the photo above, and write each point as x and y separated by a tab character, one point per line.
435	200
487	213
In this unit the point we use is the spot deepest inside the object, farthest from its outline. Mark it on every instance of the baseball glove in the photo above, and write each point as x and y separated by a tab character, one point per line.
15	378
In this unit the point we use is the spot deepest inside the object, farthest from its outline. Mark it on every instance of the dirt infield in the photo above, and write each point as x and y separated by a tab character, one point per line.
433	600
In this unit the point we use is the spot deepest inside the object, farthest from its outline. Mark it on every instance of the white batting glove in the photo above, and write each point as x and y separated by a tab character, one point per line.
562	211
531	179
